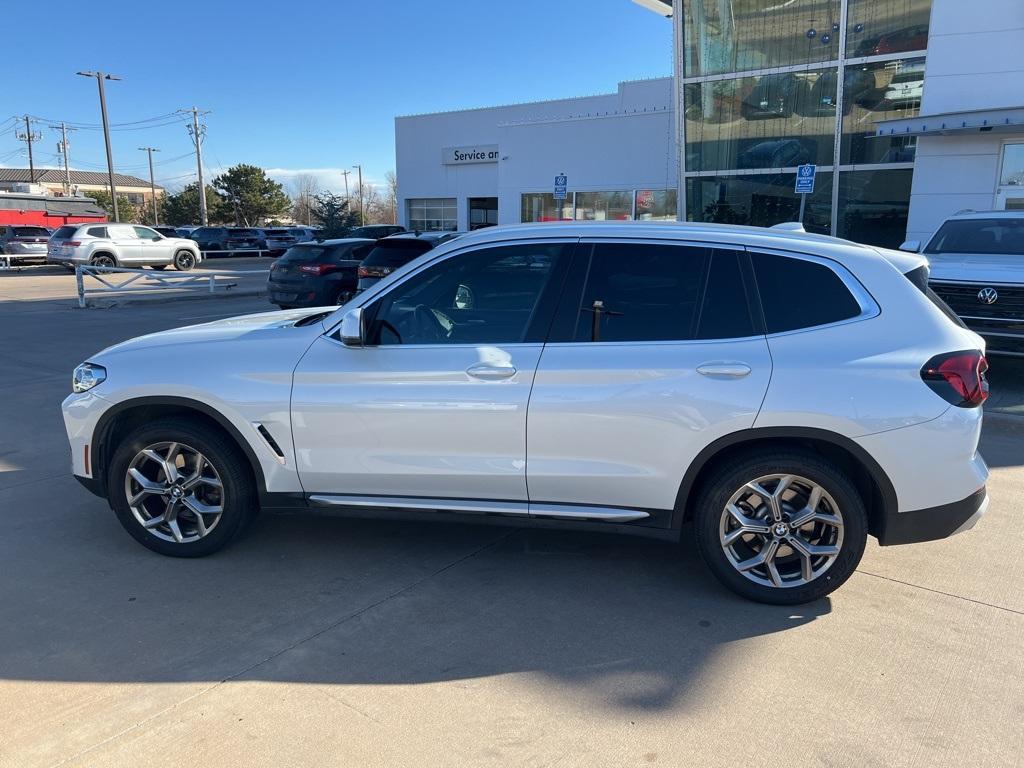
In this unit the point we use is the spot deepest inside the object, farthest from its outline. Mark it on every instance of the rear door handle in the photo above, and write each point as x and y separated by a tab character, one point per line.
488	372
724	370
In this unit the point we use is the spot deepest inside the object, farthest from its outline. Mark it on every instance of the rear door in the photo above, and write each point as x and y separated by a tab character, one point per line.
129	246
654	353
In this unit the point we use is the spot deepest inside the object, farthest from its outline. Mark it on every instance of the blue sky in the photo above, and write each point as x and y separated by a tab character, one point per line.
300	85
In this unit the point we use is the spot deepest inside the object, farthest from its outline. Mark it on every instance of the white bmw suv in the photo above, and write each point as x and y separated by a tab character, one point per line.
788	394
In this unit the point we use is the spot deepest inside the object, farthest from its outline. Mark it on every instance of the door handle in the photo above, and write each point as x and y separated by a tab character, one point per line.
489	372
724	370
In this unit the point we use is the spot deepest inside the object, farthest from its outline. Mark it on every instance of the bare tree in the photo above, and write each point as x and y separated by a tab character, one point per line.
375	209
391	196
304	190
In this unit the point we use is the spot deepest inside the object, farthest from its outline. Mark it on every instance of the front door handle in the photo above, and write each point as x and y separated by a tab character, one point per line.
724	370
489	372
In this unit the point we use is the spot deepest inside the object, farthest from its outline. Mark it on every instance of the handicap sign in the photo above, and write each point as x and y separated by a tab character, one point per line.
805	179
561	182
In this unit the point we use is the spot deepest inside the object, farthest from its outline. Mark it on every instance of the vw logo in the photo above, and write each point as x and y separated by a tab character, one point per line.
988	296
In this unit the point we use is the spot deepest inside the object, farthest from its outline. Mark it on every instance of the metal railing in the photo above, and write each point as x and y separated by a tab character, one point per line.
150	281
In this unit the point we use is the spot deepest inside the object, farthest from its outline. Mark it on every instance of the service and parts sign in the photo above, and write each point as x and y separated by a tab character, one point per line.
485	153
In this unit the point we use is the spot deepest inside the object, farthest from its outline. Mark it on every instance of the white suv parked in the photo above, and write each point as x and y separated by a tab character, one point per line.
789	394
120	245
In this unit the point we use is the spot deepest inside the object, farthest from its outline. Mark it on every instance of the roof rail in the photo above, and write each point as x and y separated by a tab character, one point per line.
789	226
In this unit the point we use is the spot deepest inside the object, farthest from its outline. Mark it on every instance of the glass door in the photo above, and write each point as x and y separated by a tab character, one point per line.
1010	194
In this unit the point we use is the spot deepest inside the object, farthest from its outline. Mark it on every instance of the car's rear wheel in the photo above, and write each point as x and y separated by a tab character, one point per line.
181	489
103	260
184	261
783	527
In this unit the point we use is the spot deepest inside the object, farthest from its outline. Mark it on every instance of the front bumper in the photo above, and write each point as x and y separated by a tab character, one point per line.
935	522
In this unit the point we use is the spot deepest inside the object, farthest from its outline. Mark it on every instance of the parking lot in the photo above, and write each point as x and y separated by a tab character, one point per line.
336	642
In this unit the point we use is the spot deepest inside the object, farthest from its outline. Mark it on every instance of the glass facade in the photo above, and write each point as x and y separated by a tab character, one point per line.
428	214
617	205
604	206
771	85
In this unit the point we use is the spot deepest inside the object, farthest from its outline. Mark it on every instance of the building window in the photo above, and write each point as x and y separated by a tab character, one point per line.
542	206
759	200
604	206
655	205
885	90
428	214
879	27
873	206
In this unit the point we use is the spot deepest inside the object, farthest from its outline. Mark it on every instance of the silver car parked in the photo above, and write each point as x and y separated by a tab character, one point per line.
120	245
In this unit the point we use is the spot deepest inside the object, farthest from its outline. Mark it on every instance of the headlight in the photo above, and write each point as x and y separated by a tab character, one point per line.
87	376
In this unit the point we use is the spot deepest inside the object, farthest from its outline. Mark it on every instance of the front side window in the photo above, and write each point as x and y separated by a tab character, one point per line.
650	292
145	233
796	293
122	232
485	296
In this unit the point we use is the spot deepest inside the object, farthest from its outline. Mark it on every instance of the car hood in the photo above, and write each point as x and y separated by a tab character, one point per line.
977	267
256	328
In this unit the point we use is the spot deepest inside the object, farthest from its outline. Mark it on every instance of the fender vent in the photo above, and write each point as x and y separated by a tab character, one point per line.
271	442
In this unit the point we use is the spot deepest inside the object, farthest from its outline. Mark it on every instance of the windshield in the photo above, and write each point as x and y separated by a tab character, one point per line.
65	231
987	236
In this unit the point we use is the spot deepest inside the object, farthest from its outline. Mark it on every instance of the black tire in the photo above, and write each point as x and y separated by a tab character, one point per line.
158	267
719	488
239	499
184	260
343	297
103	260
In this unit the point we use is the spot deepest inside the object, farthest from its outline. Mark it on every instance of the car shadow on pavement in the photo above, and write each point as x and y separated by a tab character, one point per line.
622	622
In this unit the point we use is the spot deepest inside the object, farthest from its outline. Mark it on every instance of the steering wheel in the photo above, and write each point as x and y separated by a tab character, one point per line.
431	324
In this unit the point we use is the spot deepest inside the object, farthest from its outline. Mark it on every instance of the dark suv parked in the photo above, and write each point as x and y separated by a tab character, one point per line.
376	230
23	243
210	238
396	251
317	274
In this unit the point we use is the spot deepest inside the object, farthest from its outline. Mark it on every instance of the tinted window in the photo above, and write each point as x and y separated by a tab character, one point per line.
487	296
30	232
724	313
96	232
65	231
979	236
396	253
642	292
800	294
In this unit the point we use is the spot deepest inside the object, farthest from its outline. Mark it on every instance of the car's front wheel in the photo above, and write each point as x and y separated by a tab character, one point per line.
180	488
782	527
184	261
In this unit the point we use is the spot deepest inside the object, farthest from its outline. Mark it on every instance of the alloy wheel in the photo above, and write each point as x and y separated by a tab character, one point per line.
781	530
174	492
104	261
184	261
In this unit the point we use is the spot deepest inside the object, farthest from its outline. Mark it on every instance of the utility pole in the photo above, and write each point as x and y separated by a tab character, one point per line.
63	147
152	183
100	78
345	174
361	217
198	133
28	136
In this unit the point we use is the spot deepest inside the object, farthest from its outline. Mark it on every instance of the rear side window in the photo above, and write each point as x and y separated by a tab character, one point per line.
650	292
96	232
796	293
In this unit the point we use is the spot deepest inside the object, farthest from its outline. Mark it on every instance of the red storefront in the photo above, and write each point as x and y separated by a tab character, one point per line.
47	210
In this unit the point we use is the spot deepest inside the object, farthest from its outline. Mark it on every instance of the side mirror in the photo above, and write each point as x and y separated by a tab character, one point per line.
353	330
911	246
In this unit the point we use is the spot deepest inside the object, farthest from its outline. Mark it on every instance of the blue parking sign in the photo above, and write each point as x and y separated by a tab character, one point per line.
561	182
805	179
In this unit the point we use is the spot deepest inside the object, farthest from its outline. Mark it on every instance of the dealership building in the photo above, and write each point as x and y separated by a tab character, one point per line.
910	109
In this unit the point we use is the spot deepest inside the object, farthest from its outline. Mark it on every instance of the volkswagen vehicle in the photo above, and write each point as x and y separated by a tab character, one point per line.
317	273
23	243
120	245
376	231
977	267
280	240
210	238
396	251
785	394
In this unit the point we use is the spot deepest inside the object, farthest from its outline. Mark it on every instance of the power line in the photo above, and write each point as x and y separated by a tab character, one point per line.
113	126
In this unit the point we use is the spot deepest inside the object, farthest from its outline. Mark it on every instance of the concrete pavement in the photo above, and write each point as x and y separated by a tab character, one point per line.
318	641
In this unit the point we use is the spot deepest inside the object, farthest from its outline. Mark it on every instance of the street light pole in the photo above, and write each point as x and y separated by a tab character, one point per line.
152	183
100	77
361	215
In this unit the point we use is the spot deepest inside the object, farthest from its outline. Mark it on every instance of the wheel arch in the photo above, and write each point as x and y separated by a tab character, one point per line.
873	483
125	416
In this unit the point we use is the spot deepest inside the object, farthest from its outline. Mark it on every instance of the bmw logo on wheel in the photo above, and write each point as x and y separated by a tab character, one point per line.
988	296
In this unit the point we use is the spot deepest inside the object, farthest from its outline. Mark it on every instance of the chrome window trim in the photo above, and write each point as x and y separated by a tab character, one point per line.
869	307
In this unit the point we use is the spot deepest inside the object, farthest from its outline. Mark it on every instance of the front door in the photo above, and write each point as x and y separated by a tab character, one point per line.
654	354
129	246
434	406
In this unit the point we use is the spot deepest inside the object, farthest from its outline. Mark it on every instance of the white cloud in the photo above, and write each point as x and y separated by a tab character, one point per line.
330	179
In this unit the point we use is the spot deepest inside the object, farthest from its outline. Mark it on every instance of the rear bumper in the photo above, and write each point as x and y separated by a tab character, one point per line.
935	522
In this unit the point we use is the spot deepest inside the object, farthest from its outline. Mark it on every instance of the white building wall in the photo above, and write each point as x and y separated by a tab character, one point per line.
974	63
603	142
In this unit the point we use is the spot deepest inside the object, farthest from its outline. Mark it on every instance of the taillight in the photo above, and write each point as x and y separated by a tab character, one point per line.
72	243
316	269
958	377
374	271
